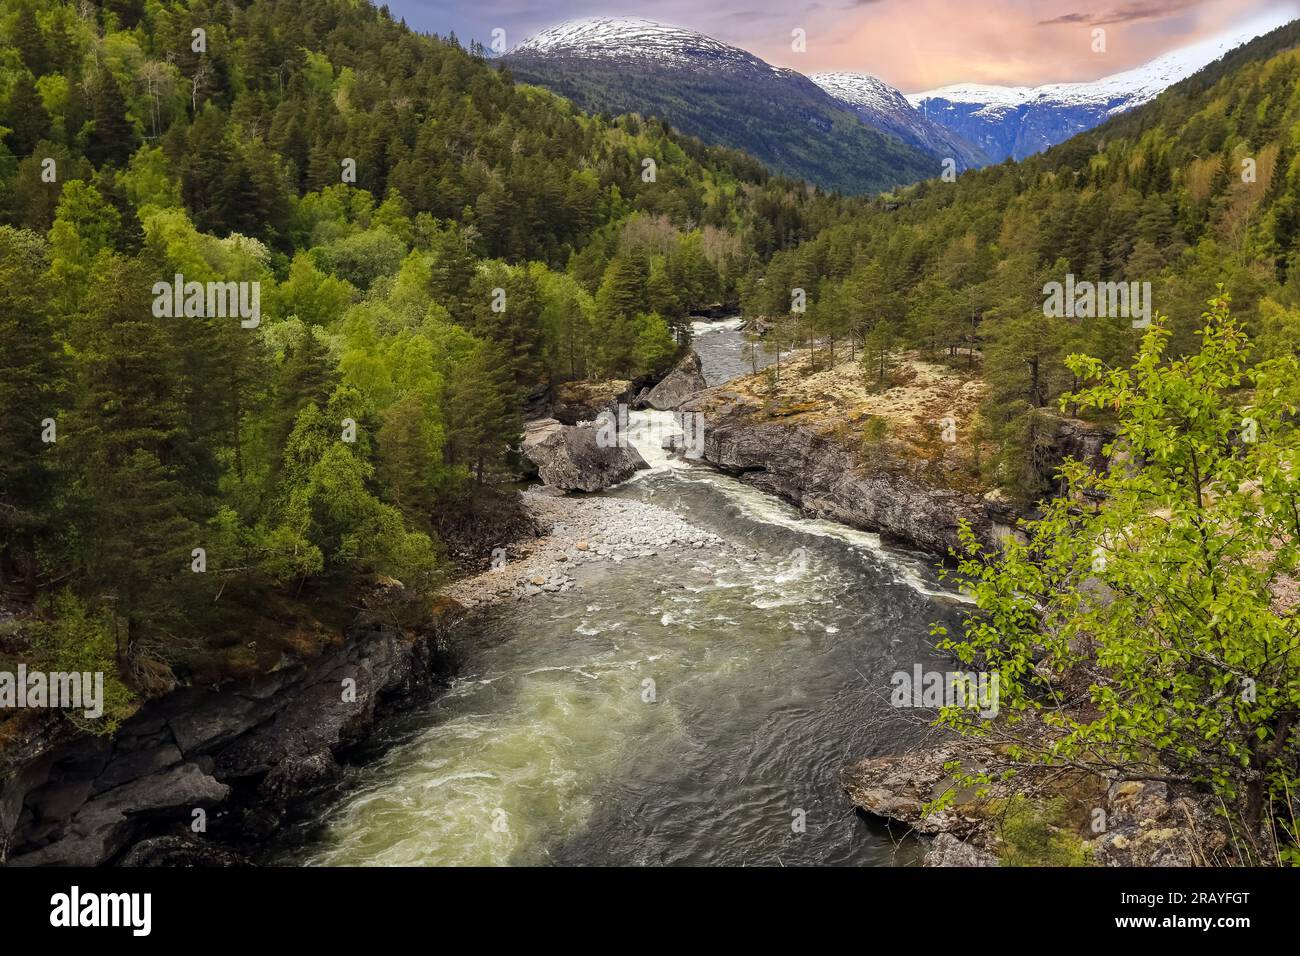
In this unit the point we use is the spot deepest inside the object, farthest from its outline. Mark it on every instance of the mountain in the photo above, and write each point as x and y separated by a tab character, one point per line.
1019	121
720	94
882	107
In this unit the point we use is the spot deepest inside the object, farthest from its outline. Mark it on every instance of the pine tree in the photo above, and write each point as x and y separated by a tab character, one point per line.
29	41
124	439
25	116
410	456
111	138
305	377
482	411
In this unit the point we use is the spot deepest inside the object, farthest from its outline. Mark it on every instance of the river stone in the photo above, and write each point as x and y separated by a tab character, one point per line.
899	787
947	850
681	383
569	456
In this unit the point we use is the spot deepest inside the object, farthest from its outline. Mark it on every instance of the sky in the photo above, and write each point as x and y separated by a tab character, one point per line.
912	44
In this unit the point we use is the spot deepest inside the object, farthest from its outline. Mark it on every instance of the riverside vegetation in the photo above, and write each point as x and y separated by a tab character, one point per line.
495	241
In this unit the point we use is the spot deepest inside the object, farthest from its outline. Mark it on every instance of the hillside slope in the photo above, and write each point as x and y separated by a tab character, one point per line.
720	94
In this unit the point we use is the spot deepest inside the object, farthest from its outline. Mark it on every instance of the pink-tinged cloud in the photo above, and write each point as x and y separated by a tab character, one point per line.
922	44
912	44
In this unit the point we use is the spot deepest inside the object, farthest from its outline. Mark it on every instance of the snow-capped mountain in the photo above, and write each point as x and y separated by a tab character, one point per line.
621	37
881	106
721	94
1018	121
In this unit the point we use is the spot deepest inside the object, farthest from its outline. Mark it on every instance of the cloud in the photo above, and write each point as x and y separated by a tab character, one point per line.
1133	13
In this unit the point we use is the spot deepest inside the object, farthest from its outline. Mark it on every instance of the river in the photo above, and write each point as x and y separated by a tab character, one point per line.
688	708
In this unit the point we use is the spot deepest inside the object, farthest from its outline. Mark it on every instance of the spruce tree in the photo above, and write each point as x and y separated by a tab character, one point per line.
125	441
31	369
25	116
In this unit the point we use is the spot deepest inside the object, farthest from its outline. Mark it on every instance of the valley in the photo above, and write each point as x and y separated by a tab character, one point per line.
602	451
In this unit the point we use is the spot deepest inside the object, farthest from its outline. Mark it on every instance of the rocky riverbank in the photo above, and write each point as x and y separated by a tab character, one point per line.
901	457
200	771
1050	817
201	774
898	460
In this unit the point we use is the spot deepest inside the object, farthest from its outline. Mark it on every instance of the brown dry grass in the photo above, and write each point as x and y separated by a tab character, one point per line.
901	421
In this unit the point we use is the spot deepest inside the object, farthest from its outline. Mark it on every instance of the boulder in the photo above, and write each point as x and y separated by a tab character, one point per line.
686	378
947	850
899	786
583	401
573	458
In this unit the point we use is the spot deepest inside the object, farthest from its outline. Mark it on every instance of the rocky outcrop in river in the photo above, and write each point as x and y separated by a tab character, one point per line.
686	378
573	457
826	478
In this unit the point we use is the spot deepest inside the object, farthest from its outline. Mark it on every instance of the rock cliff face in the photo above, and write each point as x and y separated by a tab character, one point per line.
825	478
571	457
231	759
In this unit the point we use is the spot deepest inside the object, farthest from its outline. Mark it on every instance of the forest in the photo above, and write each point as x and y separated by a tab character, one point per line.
431	246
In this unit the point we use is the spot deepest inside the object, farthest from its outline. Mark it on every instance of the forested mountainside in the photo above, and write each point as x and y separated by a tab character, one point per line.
1200	187
723	95
420	245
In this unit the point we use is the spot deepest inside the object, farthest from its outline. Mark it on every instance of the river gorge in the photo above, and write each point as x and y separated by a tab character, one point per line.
690	706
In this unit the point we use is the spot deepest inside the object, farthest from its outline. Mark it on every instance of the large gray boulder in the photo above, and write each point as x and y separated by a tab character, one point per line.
686	378
573	458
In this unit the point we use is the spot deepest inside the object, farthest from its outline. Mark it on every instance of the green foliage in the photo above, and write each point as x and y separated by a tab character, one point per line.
1168	601
75	638
1037	835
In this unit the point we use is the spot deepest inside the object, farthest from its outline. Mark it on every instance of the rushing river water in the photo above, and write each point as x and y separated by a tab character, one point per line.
689	708
721	348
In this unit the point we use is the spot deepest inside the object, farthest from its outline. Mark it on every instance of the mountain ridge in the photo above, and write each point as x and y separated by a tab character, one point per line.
721	94
1013	122
884	107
